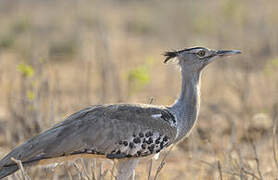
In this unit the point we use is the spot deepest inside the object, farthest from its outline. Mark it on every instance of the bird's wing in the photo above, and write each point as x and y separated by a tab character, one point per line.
116	131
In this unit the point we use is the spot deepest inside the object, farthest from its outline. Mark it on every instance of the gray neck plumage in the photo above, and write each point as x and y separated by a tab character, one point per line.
186	107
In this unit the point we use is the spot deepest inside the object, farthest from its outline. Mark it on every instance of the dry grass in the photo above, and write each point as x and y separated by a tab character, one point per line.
57	57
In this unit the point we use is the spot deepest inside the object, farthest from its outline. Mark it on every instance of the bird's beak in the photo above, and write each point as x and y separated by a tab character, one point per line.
222	53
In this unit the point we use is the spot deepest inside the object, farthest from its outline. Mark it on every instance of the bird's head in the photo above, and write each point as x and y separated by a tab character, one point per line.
196	58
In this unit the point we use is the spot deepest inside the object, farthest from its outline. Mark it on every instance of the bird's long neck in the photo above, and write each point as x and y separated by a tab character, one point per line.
186	107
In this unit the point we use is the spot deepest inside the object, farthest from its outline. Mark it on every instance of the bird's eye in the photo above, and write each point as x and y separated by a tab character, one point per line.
201	53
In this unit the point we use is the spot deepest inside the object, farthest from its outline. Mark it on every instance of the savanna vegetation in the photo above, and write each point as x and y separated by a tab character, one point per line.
57	57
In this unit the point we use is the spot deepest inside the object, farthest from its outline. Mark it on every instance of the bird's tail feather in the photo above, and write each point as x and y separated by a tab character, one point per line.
42	161
8	170
5	171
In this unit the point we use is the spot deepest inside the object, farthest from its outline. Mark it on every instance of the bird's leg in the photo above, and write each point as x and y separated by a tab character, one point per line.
132	177
126	169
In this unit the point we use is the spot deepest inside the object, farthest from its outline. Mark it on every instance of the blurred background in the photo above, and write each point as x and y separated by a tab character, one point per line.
57	57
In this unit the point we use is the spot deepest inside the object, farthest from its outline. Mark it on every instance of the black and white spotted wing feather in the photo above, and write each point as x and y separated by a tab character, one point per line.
115	131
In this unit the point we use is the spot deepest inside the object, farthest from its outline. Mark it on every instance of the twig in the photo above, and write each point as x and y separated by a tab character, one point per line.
102	175
83	165
250	173
150	169
214	167
151	100
159	169
257	160
68	172
20	166
80	173
94	167
241	164
113	170
219	170
274	140
232	172
100	171
162	163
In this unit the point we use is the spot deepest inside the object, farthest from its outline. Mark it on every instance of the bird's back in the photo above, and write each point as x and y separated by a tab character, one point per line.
112	131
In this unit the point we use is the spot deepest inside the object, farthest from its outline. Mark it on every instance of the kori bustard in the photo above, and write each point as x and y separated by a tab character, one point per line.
125	132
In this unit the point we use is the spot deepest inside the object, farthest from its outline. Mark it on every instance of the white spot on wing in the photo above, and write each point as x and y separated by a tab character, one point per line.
156	115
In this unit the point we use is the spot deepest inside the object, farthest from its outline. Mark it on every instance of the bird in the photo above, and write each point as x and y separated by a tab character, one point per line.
122	132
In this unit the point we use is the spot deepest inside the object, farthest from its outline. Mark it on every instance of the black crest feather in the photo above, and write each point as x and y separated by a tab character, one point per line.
169	55
172	54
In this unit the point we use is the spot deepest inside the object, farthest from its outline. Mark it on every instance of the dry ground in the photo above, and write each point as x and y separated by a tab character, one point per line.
57	57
